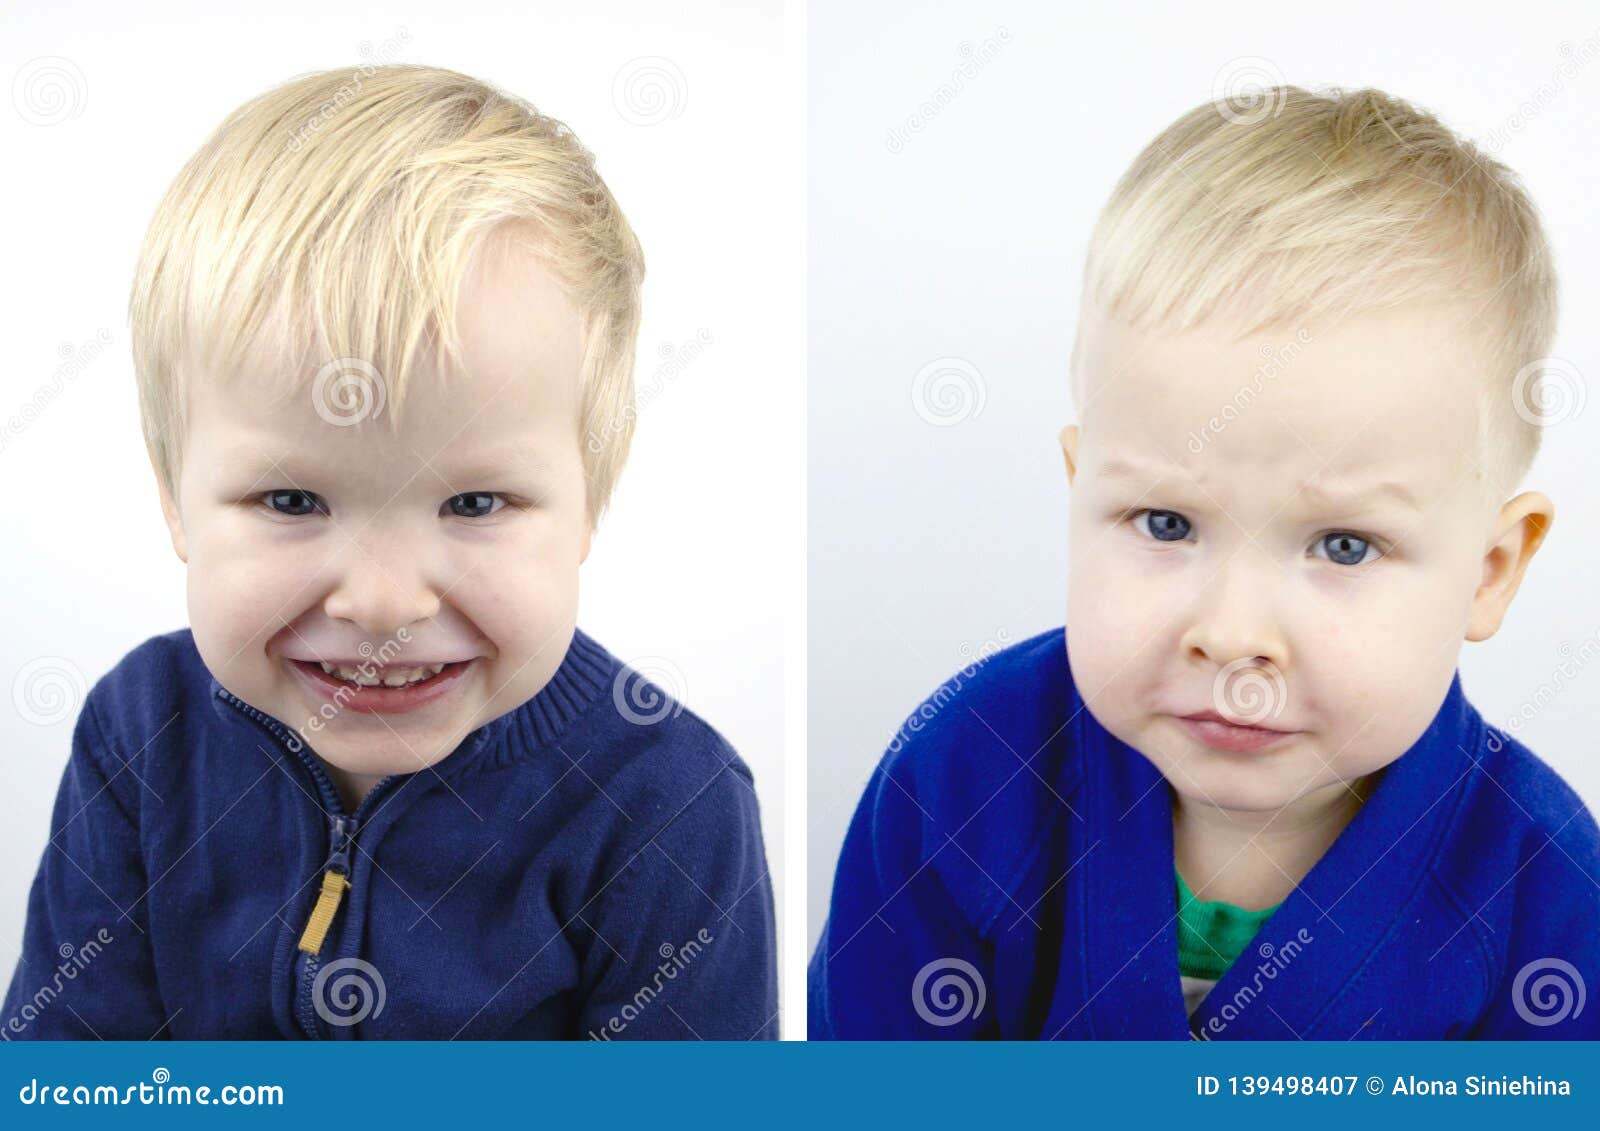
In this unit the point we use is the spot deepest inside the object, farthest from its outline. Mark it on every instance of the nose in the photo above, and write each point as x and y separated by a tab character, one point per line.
380	587
1235	615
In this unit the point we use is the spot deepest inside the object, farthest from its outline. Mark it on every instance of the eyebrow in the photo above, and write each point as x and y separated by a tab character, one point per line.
1329	495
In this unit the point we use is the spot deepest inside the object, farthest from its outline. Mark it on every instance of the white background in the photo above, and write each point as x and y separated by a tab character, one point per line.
690	564
929	542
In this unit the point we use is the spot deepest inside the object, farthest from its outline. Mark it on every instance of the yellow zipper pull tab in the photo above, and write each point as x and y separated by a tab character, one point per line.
335	882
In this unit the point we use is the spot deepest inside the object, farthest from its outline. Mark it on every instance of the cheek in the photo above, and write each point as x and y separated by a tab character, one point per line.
243	588
1113	620
520	591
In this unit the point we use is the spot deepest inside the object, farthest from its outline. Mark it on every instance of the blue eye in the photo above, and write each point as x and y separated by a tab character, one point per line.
475	504
294	502
1343	548
1163	526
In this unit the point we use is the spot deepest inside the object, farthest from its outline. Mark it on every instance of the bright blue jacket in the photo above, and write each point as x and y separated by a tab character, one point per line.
1009	874
571	869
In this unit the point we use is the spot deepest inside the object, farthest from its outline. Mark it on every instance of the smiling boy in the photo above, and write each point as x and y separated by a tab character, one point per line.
383	786
1242	795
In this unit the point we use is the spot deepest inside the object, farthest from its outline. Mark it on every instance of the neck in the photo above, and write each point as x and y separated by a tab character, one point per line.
1254	859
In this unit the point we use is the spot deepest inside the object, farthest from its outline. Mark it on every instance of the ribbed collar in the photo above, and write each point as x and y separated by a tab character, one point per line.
1212	933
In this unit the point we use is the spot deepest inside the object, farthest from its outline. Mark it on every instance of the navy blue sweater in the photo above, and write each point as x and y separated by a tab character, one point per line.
563	873
1009	874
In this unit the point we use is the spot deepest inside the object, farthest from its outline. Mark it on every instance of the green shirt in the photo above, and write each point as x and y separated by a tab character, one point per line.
1211	934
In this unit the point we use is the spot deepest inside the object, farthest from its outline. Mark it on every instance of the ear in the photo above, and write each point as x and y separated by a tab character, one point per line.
1069	449
588	536
1519	531
169	509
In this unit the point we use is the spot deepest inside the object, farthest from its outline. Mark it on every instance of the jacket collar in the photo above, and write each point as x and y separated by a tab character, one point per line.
1331	922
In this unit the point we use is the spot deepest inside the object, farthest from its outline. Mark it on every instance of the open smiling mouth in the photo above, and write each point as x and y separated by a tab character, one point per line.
380	689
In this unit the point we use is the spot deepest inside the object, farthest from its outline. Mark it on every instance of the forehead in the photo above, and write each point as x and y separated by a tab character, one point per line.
1392	394
518	379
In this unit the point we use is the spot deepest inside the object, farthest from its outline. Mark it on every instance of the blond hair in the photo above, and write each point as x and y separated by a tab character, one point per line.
1301	206
338	214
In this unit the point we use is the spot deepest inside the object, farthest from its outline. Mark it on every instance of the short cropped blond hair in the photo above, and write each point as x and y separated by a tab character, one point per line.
1307	205
338	214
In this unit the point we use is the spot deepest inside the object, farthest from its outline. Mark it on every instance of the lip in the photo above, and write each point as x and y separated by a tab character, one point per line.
1216	732
379	700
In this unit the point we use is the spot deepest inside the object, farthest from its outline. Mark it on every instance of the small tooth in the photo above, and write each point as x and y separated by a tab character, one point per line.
327	667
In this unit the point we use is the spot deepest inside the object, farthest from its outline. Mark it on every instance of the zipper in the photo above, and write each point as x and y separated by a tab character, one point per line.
335	873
